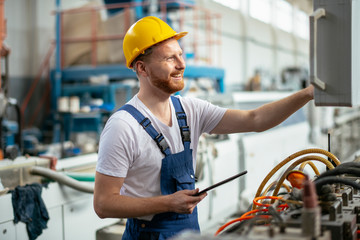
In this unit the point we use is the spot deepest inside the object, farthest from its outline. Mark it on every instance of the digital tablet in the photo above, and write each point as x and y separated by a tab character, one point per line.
221	183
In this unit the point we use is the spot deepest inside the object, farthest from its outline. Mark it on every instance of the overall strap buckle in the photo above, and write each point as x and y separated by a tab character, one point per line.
145	123
162	144
184	128
180	115
185	133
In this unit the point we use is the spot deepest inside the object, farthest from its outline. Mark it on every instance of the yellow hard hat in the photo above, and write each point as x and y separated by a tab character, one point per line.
145	33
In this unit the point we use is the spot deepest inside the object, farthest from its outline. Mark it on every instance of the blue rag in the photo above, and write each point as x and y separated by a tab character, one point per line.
29	208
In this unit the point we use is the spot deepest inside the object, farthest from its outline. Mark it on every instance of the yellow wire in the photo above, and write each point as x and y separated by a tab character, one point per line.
288	159
297	162
312	165
272	184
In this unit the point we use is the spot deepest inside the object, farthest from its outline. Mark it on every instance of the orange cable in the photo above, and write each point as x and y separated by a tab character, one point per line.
243	217
236	220
265	197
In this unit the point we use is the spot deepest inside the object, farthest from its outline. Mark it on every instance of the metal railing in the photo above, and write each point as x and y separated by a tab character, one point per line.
204	27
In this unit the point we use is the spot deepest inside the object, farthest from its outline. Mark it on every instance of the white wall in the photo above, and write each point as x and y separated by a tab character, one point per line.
20	36
249	44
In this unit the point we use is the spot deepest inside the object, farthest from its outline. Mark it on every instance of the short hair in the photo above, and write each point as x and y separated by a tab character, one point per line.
142	57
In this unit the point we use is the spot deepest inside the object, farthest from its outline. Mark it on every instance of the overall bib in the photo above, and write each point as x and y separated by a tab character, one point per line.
177	173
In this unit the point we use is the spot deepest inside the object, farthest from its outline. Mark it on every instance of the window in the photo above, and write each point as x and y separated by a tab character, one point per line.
284	15
301	24
261	10
229	3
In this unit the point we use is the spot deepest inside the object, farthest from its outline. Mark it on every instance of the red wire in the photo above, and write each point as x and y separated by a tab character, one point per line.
245	215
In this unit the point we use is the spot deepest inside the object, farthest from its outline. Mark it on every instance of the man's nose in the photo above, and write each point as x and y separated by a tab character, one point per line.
180	63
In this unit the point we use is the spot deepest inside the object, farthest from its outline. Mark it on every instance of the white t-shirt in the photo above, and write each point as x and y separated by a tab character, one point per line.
127	150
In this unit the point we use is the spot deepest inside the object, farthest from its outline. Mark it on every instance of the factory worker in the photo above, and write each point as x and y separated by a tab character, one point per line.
147	150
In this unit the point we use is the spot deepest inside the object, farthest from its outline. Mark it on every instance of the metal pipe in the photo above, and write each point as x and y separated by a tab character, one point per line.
62	179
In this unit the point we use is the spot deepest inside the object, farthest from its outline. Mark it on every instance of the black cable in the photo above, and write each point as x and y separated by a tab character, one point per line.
329	180
340	170
349	164
252	222
19	134
236	227
329	150
18	137
2	140
239	227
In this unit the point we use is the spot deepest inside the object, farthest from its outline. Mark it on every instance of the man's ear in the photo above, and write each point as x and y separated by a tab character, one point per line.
141	68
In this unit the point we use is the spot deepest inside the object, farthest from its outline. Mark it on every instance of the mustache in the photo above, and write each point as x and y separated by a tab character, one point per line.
177	72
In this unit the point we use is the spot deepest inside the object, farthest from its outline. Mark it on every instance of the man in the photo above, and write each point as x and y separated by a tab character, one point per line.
147	149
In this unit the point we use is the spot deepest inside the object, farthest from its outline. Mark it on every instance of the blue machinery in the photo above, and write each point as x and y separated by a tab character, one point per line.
73	80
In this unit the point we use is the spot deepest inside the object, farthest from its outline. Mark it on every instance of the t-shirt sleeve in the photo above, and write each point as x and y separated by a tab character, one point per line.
205	115
115	148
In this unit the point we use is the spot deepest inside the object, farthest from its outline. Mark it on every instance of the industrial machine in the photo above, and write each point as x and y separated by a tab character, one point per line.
309	205
293	202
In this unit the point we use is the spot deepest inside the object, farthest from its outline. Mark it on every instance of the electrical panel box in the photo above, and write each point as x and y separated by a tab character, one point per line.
335	52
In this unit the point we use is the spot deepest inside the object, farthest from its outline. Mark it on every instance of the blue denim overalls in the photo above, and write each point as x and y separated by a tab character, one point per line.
177	173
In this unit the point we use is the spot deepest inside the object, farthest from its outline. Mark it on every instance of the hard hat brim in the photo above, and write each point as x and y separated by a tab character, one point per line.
179	35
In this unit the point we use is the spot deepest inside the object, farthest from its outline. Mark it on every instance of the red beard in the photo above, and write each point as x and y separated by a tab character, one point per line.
167	85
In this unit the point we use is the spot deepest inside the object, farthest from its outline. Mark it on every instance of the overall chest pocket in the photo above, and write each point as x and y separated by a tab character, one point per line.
185	181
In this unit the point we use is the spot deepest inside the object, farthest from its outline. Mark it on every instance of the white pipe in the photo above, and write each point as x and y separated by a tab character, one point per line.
62	179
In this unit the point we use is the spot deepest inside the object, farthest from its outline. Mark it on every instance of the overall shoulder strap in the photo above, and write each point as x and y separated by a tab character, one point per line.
148	127
181	118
